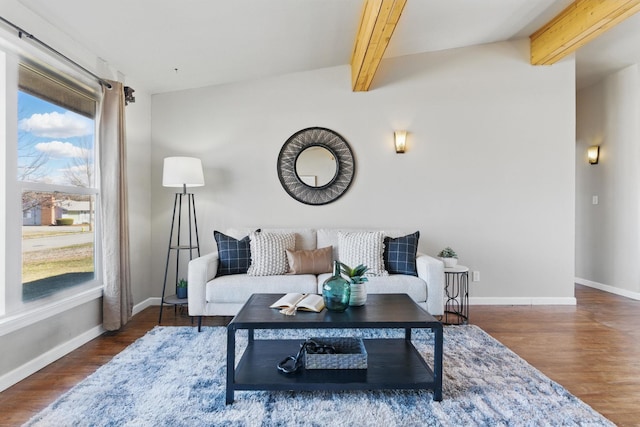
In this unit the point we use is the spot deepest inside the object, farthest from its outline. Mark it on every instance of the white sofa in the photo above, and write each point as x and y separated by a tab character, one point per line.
225	295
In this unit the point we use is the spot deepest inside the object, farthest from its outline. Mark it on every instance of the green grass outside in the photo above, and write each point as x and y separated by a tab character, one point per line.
56	262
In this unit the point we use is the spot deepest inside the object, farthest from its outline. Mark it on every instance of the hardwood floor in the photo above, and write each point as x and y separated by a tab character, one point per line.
592	349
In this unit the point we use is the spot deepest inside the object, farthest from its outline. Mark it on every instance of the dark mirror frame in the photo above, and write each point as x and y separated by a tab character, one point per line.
300	141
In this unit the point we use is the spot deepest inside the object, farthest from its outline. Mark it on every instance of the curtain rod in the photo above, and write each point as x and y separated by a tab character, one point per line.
30	36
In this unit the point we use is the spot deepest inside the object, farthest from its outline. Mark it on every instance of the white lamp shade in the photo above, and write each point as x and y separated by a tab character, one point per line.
182	171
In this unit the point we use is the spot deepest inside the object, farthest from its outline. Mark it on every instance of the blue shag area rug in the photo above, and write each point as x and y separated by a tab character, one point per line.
175	376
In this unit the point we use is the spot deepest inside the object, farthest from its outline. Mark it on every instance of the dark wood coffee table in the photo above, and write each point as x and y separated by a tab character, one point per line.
392	363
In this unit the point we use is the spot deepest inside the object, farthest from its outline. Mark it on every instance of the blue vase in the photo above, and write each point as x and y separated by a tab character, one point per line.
336	291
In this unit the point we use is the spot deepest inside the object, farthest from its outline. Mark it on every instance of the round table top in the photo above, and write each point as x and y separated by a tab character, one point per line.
457	269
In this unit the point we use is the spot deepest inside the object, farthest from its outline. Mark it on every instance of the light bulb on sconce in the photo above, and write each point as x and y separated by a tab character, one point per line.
593	154
400	137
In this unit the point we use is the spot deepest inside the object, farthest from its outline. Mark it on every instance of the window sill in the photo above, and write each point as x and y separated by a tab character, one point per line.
23	319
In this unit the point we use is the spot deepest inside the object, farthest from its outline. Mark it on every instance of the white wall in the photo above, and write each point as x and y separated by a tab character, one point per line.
489	168
138	118
608	234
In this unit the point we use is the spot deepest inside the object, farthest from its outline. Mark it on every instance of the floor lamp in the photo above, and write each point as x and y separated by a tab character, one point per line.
181	172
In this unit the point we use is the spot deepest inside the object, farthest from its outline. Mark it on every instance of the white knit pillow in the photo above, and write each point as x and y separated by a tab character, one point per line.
364	247
268	253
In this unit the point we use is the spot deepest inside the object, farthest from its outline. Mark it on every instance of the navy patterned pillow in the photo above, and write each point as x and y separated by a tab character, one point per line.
400	254
234	256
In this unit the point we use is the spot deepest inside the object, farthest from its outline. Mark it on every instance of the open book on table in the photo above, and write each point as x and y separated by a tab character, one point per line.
304	302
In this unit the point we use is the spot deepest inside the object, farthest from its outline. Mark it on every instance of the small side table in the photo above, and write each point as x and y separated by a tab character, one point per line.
456	288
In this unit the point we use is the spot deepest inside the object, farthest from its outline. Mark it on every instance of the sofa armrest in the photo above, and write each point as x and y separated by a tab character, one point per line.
200	271
431	270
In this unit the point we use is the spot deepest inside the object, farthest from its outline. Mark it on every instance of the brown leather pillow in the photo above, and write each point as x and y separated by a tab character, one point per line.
314	261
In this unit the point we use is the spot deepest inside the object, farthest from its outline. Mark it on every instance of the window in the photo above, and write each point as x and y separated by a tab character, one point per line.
56	178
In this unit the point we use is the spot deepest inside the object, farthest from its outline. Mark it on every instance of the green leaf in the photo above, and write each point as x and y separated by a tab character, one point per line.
358	279
345	269
353	272
360	270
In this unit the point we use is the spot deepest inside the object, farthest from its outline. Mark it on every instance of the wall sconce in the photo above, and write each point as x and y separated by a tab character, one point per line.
593	154
400	137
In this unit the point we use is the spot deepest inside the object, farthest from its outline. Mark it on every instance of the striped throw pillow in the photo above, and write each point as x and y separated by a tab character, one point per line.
268	253
364	247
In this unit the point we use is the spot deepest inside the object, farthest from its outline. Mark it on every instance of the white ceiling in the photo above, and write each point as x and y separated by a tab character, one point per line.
616	49
219	41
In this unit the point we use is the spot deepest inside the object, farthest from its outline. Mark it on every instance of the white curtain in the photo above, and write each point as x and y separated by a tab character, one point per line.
117	301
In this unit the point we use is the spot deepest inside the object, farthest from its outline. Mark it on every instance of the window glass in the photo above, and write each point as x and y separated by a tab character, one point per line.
56	172
55	145
58	256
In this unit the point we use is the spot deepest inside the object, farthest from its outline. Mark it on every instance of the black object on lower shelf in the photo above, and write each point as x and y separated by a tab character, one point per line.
392	363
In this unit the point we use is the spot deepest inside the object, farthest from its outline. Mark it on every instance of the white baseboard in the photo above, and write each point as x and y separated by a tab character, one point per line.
522	301
34	365
149	302
607	288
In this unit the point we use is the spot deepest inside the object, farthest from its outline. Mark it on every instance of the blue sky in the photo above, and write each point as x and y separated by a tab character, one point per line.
61	137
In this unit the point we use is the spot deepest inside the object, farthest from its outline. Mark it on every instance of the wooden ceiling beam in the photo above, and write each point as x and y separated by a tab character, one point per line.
377	23
575	26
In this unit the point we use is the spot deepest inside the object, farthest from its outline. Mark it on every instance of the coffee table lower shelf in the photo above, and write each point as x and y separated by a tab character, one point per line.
392	364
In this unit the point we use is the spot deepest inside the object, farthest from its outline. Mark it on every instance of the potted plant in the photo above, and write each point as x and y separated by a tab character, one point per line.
357	279
449	257
181	289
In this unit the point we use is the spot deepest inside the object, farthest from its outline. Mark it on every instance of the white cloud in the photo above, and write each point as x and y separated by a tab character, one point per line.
59	149
56	125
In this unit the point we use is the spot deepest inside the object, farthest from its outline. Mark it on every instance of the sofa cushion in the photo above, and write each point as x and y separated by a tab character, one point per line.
238	288
310	262
363	247
234	256
329	236
268	253
400	254
305	237
413	286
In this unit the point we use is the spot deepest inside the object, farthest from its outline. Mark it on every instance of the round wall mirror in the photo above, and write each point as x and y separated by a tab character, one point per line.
316	166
